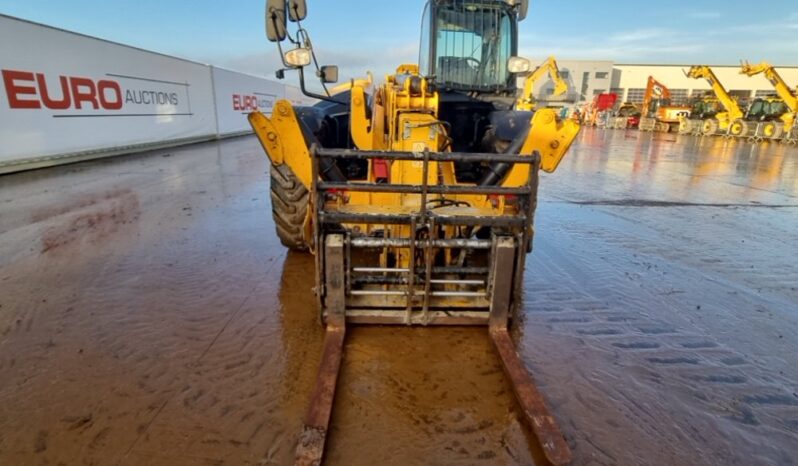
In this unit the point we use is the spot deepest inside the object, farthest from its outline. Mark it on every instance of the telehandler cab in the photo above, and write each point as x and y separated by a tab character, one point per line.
417	196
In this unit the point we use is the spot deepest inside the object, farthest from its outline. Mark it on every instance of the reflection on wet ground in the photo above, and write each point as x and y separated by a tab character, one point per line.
148	315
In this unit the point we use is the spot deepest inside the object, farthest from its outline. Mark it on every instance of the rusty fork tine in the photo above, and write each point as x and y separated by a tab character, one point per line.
310	448
532	404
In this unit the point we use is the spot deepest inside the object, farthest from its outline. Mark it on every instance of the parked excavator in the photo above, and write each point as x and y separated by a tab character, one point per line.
658	114
416	196
729	119
526	101
778	115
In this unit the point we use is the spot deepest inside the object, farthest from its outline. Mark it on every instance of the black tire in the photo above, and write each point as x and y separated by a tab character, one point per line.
289	207
710	127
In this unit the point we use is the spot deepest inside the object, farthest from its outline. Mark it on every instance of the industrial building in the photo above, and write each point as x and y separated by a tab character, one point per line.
587	78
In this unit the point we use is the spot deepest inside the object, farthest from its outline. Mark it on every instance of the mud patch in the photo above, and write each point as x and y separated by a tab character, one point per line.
93	221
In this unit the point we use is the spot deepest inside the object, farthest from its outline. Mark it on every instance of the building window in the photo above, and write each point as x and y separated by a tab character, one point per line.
765	93
742	96
617	91
550	91
602	75
585	86
563	74
636	95
599	91
699	93
679	96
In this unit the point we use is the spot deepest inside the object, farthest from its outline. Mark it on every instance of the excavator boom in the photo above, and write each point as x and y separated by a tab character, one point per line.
526	101
654	89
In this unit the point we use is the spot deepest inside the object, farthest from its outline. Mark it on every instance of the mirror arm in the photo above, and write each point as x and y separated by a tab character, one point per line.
302	36
282	57
303	33
291	39
296	11
313	94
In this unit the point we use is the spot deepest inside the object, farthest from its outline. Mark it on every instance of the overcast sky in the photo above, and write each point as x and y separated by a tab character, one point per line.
377	35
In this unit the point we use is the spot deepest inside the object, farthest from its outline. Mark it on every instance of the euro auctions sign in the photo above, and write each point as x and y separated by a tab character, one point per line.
238	95
109	95
250	103
65	95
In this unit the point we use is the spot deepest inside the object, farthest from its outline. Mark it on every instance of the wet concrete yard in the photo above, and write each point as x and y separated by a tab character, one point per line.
148	315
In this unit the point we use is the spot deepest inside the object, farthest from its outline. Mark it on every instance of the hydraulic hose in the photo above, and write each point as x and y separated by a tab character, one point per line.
498	170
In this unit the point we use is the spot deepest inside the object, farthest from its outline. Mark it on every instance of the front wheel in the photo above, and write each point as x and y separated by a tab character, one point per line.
289	207
773	130
685	126
739	128
710	126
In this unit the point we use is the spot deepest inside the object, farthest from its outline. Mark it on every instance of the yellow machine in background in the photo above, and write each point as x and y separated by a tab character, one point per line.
701	108
727	120
781	113
417	196
526	101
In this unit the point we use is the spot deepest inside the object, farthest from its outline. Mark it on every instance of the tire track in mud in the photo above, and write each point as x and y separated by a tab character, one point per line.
631	310
110	331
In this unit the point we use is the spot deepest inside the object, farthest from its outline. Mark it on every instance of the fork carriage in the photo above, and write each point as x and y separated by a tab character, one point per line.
433	263
416	264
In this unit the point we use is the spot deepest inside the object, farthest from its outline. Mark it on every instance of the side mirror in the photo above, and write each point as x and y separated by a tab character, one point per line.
523	7
329	73
518	65
297	10
275	20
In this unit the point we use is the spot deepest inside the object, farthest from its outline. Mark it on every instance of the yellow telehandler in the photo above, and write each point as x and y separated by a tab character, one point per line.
777	115
727	121
416	196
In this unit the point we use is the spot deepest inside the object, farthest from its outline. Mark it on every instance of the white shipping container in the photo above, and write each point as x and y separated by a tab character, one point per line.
65	94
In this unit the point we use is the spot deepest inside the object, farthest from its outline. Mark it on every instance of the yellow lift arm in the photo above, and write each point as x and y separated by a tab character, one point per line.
788	95
784	91
527	101
733	110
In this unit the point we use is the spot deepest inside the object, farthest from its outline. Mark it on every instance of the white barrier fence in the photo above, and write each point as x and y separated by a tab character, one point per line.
67	97
237	95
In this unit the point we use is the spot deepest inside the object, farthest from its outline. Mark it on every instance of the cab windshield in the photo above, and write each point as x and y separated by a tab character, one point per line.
758	108
777	108
473	41
657	103
704	108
